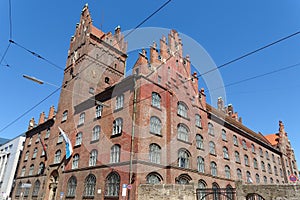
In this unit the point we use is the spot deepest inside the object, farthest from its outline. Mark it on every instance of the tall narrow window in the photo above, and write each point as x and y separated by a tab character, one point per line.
96	133
273	158
227	172
155	125
200	164
235	141
269	168
36	188
211	130
78	139
275	171
60	139
224	136
99	109
71	186
41	168
23	171
64	116
89	186
244	144
31	168
183	132
47	133
198	121
57	156
252	148
237	157
117	126
202	185
154	153
112	185
261	152
93	157
212	148
120	102
115	152
75	161
213	169
246	159
81	119
225	153
267	155
156	100
255	165
257	178
249	179
263	167
26	156
265	180
183	158
199	142
34	153
239	174
182	109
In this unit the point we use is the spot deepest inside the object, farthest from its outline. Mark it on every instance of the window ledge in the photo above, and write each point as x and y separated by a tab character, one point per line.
94	141
213	154
88	197
80	125
183	117
77	145
186	142
97	118
117	110
116	135
199	127
202	149
155	107
156	134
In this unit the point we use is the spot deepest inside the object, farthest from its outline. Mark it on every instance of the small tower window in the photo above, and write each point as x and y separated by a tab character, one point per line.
106	80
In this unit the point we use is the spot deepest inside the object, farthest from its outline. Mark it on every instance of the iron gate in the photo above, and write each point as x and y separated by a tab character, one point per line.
216	194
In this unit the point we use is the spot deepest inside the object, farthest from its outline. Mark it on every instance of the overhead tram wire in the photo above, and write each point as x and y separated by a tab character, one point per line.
10	20
37	55
4	54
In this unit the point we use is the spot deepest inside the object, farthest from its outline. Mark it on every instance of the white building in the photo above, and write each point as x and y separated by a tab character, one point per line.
9	158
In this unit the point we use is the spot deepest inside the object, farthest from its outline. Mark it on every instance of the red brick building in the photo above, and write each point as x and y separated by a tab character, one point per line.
151	127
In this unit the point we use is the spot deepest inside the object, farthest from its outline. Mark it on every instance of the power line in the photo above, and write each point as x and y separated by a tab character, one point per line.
10	20
4	54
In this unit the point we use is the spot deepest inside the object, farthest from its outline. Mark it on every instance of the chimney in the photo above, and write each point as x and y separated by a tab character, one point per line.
51	112
220	104
31	124
42	118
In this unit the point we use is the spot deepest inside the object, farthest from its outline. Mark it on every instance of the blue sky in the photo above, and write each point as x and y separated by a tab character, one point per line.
226	29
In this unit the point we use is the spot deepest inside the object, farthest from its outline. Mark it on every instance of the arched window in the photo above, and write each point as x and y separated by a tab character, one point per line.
249	179
227	172
200	164
64	116
269	168
71	187
75	161
115	152
267	155
155	125
182	109
26	190
153	178
57	156
281	172
225	153
244	144
36	188
78	139
117	126
265	180
271	180
47	133
237	157
255	165
198	121
34	153
239	174
199	141
202	185
19	189
99	109
183	179
275	171
112	185
215	188
246	159
261	152
263	167
257	178
31	169
96	133
93	157
183	158
235	141
89	186
119	102
211	130
273	158
182	132
212	148
81	118
155	100
154	153
213	169
252	148
224	135
23	171
60	138
41	168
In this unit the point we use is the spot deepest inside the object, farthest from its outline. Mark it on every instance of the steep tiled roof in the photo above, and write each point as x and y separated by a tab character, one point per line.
272	138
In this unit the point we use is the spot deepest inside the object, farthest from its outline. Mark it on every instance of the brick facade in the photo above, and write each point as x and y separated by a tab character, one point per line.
146	122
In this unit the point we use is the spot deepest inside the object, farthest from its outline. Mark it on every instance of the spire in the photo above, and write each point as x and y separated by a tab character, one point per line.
281	127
